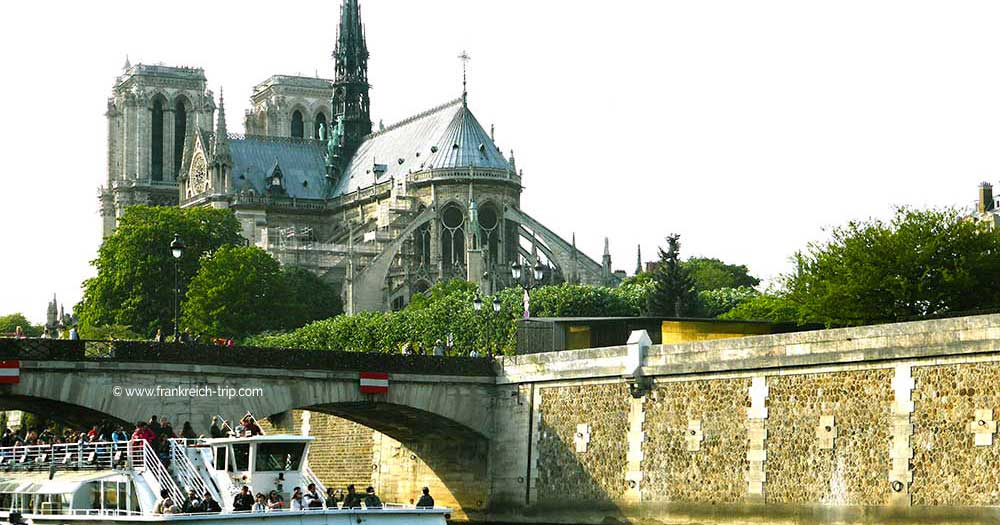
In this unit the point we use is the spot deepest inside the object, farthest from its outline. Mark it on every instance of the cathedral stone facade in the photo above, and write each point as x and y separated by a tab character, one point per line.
382	213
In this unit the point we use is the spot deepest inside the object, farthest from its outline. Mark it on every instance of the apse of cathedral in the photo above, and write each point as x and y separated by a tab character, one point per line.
382	213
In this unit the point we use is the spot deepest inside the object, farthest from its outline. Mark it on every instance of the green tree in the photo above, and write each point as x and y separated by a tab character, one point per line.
134	286
673	293
10	322
922	262
307	298
713	303
713	274
773	307
238	291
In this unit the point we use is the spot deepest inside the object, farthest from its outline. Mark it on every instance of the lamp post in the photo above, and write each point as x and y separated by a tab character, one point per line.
477	305
177	250
538	272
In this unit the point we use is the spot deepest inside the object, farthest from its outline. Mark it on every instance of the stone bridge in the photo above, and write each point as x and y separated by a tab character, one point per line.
890	423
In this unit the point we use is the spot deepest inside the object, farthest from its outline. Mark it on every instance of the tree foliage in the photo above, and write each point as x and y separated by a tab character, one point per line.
134	286
713	274
921	262
716	302
239	291
10	322
673	293
765	307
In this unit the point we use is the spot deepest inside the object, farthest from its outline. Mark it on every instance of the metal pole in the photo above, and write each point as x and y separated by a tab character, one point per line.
177	291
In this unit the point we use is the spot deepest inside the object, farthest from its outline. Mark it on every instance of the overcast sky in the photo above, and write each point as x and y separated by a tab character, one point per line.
747	126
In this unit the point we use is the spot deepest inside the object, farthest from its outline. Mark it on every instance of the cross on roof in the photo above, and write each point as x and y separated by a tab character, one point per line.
465	58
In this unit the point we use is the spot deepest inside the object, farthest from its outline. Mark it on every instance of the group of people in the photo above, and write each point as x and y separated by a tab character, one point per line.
52	435
248	427
310	499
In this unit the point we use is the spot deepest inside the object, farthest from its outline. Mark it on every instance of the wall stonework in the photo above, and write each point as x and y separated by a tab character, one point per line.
855	471
713	474
948	468
596	476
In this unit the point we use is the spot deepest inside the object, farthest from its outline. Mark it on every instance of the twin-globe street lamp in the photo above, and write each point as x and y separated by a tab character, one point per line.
477	305
529	284
177	250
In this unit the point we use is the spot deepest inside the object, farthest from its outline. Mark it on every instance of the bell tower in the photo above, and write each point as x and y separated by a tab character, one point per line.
350	86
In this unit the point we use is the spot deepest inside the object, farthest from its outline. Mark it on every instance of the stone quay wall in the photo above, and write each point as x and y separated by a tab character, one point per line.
863	425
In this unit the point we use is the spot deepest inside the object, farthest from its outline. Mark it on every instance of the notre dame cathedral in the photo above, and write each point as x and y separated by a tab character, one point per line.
382	213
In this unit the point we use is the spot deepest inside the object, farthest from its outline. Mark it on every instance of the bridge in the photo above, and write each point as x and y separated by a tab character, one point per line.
857	425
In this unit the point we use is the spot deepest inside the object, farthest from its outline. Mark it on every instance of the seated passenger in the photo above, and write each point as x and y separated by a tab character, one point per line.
243	501
352	500
165	505
259	505
311	499
425	501
371	500
333	497
274	501
192	504
297	503
209	504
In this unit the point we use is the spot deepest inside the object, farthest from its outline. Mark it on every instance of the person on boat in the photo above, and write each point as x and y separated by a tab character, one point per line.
166	429
209	504
311	499
192	504
425	501
297	503
250	426
215	431
15	518
333	497
274	501
244	500
154	425
165	505
352	500
188	432
372	501
259	505
143	432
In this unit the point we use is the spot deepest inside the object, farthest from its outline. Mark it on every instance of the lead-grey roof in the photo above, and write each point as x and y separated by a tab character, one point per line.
448	136
302	165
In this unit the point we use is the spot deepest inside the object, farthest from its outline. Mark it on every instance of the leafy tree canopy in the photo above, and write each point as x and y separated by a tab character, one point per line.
921	262
10	322
134	285
713	274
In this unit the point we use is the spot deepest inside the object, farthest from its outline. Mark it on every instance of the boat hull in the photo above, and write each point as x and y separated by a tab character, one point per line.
312	517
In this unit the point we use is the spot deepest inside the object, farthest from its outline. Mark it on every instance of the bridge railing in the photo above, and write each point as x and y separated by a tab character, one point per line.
205	354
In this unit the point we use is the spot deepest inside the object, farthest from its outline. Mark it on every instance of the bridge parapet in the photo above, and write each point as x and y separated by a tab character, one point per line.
202	354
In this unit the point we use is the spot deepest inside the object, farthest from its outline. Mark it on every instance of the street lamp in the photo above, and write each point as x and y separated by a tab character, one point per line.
177	250
535	279
477	305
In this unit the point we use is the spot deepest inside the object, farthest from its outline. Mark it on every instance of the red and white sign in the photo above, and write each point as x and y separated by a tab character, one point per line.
10	372
374	383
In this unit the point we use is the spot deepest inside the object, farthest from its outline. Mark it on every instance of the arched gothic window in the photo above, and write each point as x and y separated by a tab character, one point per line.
156	148
297	125
180	131
422	245
489	230
320	119
452	236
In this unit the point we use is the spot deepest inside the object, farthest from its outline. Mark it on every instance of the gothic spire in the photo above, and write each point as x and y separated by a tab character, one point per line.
638	259
350	85
221	135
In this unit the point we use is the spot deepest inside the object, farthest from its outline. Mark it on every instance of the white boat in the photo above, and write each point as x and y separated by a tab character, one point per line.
108	483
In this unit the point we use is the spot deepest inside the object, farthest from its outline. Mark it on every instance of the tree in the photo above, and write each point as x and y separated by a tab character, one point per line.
673	293
773	307
10	322
713	303
134	286
922	262
238	291
307	298
713	274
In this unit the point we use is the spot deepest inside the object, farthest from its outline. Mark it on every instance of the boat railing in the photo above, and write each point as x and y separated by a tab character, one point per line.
101	455
143	459
186	471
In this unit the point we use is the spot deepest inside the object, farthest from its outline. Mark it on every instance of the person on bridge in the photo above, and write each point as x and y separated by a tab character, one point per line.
353	499
425	501
243	501
372	501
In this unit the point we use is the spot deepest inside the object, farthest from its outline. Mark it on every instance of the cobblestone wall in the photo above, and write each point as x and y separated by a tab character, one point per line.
716	472
948	468
854	471
597	475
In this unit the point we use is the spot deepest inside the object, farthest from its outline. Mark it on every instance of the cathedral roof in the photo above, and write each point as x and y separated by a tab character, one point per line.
445	137
301	161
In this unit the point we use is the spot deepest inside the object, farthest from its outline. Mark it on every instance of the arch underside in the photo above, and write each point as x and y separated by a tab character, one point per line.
60	411
402	423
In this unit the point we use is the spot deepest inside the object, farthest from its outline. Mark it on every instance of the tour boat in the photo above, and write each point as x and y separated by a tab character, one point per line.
106	483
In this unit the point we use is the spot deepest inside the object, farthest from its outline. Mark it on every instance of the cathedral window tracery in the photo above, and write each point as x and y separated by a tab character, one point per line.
198	182
298	127
452	237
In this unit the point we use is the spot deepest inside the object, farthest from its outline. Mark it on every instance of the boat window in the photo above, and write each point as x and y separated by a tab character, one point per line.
220	458
279	456
5	501
241	457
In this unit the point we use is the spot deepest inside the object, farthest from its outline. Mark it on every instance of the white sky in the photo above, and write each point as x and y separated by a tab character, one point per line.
745	125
